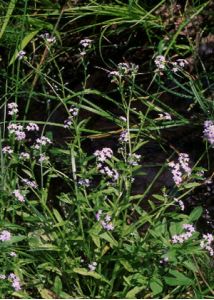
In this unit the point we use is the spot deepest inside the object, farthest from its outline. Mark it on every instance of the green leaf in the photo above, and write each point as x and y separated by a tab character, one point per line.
178	280
190	266
23	44
57	285
10	9
85	272
195	214
106	236
126	265
156	286
133	292
191	185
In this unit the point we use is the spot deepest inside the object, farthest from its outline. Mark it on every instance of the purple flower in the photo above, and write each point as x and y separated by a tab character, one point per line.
32	127
103	154
209	132
19	196
12	108
5	236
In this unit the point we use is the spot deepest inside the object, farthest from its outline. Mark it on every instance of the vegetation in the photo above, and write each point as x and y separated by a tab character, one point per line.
107	135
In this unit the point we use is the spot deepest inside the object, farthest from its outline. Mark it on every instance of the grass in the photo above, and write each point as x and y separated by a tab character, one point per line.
89	205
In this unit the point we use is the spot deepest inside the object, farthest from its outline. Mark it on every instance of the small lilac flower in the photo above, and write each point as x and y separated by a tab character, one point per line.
84	182
107	218
184	162
180	238
206	243
7	150
103	154
92	266
29	183
180	203
5	236
21	54
109	227
124	137
24	156
13	254
43	158
12	108
189	227
182	62
43	141
180	168
19	196
98	215
134	159
86	43
32	127
165	116
17	130
15	282
209	131
160	62
47	37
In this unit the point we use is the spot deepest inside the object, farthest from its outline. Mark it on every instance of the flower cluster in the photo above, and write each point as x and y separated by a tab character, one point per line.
105	220
21	54
165	116
15	282
105	170
43	158
124	137
17	130
29	183
74	112
84	182
43	141
92	266
18	196
7	150
84	44
124	69
161	63
206	243
180	63
47	37
12	108
133	159
13	254
32	127
180	168
5	236
103	154
180	203
24	156
14	279
180	238
209	132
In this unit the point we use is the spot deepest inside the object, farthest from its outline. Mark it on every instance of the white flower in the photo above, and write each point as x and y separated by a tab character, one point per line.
32	127
19	196
21	54
5	236
24	156
7	150
12	108
103	154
